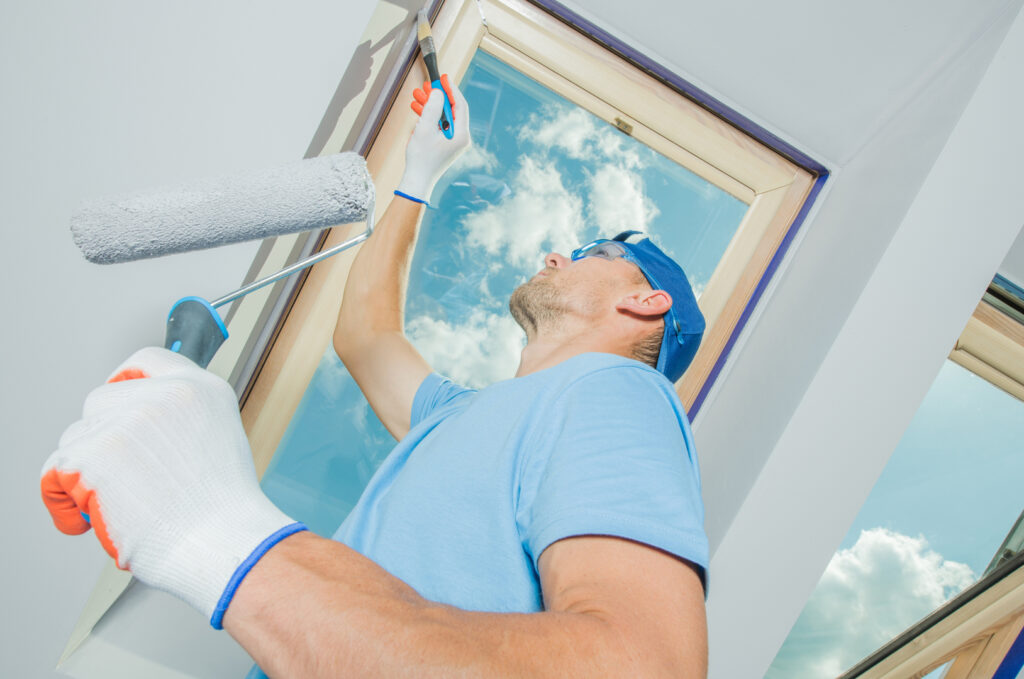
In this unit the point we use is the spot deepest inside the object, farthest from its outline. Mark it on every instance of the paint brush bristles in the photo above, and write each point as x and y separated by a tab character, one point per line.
427	45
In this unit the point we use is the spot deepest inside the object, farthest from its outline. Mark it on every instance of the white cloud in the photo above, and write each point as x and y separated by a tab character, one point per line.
617	200
869	593
479	352
580	135
540	215
571	131
474	158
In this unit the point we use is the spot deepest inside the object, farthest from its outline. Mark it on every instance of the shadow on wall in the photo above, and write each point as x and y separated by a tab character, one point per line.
354	81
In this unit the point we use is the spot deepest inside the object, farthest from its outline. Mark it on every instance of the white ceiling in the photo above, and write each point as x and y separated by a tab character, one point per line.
828	75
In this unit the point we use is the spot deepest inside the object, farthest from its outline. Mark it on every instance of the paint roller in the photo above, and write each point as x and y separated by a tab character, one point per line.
299	196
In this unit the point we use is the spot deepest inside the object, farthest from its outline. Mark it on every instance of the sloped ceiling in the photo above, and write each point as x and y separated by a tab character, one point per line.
827	75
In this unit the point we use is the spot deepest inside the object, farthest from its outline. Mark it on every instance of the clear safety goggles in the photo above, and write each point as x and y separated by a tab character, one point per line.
603	248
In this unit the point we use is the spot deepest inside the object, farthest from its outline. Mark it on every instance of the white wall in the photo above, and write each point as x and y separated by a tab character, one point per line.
99	98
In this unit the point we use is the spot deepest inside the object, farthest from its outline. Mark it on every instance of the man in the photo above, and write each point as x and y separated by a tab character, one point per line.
549	525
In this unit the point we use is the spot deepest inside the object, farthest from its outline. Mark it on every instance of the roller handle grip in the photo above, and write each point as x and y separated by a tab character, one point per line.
195	330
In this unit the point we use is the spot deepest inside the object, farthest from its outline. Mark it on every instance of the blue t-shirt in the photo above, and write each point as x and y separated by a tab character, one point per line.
465	504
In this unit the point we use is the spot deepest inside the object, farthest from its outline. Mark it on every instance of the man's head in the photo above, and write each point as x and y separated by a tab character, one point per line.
628	288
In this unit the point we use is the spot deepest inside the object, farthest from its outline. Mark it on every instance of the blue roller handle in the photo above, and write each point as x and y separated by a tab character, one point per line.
195	330
447	121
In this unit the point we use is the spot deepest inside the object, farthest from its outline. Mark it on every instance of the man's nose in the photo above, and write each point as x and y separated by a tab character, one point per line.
556	261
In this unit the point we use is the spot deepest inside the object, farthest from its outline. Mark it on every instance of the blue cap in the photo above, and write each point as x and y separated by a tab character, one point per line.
684	323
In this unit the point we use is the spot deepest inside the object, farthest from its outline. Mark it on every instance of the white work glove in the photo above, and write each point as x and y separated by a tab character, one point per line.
429	153
162	468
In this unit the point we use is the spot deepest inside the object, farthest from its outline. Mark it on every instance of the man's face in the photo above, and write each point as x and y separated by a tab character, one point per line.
588	288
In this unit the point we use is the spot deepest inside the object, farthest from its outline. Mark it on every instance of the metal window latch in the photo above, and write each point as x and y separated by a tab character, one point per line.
624	127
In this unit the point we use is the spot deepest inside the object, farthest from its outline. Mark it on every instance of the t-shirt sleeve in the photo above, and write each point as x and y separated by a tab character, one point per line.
435	392
619	461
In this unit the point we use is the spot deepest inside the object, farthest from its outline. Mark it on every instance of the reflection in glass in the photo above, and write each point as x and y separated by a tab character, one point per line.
929	528
543	175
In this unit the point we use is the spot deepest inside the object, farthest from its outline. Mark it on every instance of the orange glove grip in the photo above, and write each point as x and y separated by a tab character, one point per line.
420	96
67	498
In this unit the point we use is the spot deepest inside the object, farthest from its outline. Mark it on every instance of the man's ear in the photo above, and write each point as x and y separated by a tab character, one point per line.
647	303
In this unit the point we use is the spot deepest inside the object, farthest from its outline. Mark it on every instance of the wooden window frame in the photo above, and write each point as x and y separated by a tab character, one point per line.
992	347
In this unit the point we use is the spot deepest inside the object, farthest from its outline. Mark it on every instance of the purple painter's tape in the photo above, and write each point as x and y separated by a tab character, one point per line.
762	284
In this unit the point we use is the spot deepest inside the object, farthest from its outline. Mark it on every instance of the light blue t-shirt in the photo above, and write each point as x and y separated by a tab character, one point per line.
465	504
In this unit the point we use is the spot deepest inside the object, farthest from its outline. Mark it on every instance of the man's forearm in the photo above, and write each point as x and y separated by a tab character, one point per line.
376	285
315	608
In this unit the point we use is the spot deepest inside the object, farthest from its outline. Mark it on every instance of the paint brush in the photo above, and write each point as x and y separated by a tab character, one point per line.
430	59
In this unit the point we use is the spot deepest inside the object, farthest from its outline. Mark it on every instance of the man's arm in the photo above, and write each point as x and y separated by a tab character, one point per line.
315	608
369	337
304	606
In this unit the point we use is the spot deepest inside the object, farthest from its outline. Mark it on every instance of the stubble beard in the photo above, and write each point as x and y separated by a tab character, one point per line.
537	305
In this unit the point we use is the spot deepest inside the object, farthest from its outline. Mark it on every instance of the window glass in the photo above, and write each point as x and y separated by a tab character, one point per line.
938	513
543	175
938	672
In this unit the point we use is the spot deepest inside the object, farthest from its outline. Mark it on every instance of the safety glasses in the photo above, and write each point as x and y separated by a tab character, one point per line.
612	249
603	248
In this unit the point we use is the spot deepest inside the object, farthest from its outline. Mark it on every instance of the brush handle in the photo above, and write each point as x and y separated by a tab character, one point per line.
447	121
195	330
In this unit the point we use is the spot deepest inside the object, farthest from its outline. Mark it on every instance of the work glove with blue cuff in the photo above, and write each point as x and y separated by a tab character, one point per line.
160	467
429	153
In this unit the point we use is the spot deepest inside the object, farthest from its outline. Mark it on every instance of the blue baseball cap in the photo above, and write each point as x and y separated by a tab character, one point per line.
684	322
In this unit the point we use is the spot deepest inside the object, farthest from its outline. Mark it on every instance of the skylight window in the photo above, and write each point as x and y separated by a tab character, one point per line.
543	175
929	529
571	142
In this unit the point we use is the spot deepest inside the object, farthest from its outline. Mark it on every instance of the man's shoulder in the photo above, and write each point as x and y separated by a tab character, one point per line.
606	381
596	369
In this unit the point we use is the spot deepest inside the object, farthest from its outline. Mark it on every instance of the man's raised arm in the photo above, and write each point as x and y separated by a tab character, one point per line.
369	337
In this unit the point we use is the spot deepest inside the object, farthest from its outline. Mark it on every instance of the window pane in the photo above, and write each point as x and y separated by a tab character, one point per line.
543	175
938	513
938	672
